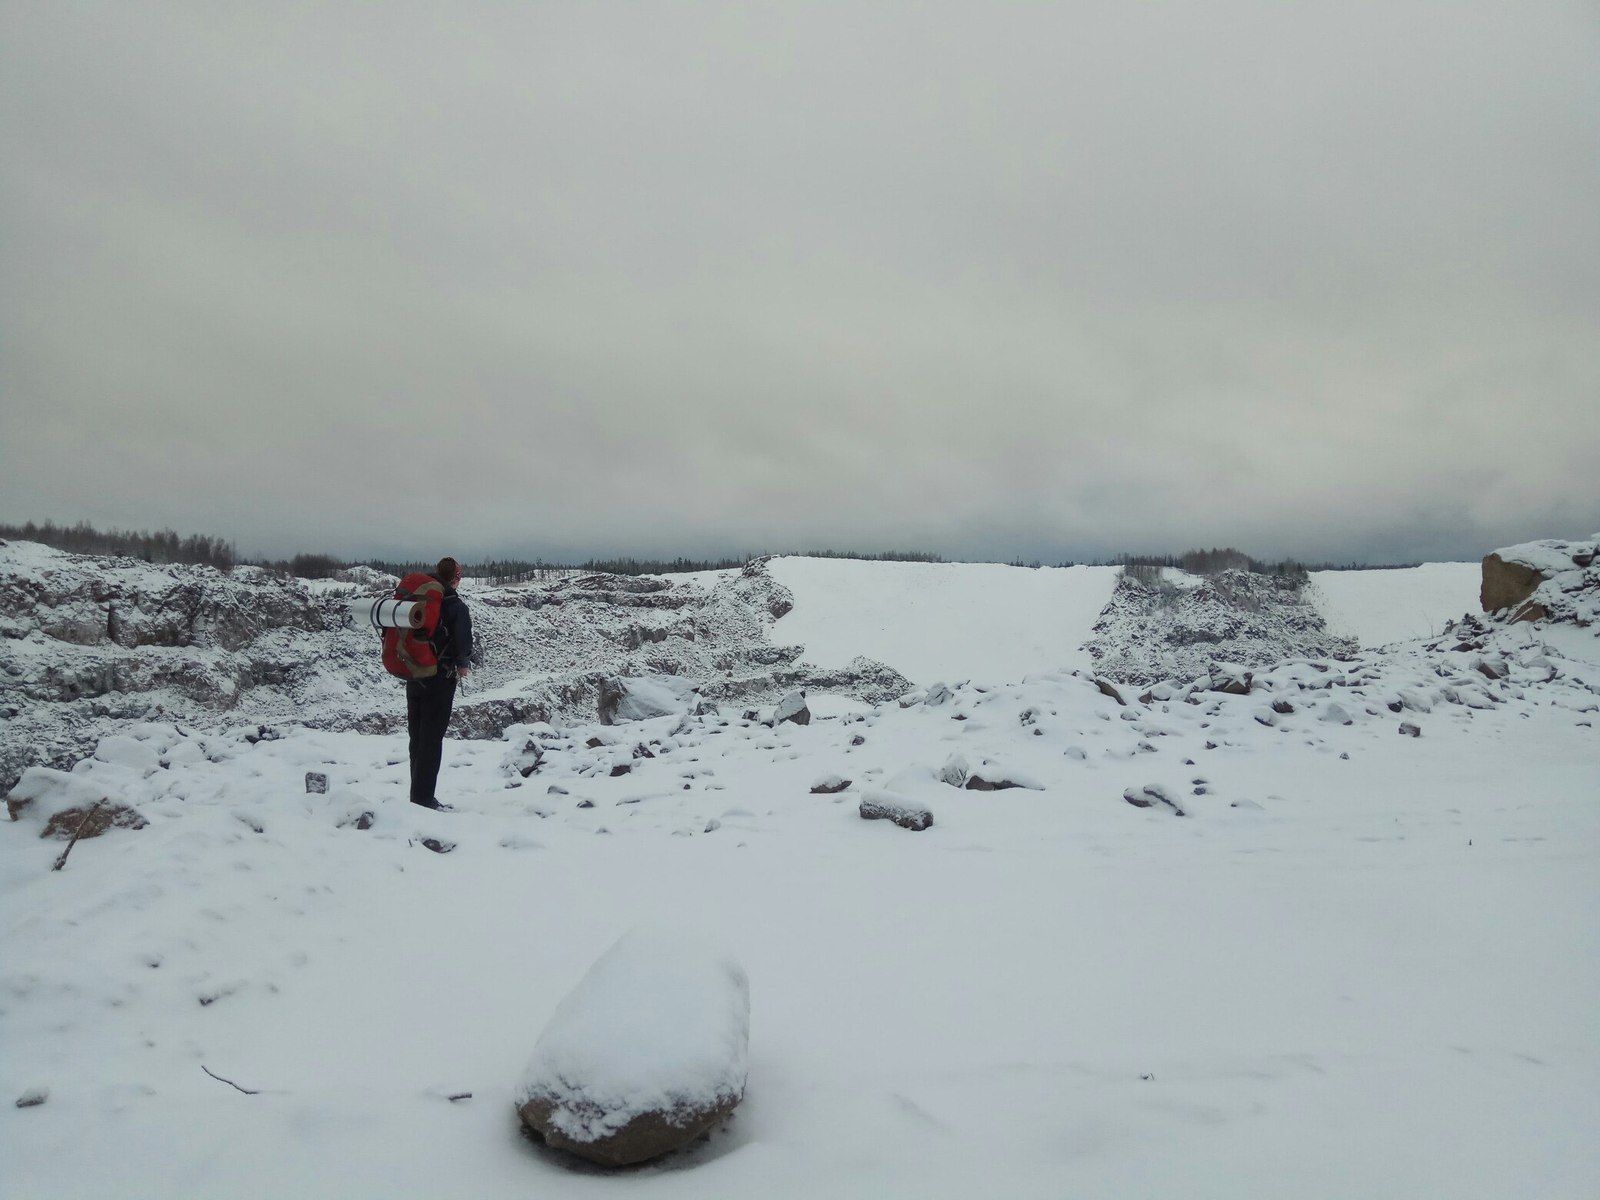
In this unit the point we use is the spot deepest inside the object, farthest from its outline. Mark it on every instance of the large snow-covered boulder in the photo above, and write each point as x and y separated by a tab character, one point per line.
623	698
68	805
1549	579
648	1052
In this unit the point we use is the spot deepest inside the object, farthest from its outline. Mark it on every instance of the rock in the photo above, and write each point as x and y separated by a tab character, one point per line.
1336	714
1107	688
1493	667
1153	795
648	1052
639	699
67	803
1231	679
33	1097
1282	707
1506	584
828	785
316	783
526	761
792	708
1410	729
938	693
438	846
989	776
858	740
1416	700
955	771
903	811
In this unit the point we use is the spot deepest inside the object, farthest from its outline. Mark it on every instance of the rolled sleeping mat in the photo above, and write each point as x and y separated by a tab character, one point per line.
388	613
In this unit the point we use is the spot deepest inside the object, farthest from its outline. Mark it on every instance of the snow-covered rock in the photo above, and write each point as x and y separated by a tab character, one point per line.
640	699
648	1052
792	708
69	805
884	805
1175	626
1549	580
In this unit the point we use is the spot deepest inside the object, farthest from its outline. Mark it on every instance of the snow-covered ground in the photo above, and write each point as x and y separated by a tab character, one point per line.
1381	607
1361	963
942	621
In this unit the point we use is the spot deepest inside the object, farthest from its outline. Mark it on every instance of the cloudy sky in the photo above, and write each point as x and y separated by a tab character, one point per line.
1050	280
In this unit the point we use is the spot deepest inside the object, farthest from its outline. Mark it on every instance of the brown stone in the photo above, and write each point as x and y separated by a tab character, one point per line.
1507	585
66	824
1107	688
649	1135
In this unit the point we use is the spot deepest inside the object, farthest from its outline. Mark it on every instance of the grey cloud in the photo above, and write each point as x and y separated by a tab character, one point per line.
1048	280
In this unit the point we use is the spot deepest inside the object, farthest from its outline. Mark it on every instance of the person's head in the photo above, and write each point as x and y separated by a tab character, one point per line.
448	572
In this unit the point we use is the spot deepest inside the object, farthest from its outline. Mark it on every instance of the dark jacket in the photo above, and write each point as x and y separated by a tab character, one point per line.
452	640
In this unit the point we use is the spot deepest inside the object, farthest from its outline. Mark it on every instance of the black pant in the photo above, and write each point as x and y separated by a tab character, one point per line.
428	704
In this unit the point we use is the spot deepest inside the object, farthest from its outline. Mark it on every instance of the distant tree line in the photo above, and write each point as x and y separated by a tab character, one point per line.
164	546
917	556
1212	562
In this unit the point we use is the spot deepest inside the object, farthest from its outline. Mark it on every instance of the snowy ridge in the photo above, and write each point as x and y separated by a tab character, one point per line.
88	644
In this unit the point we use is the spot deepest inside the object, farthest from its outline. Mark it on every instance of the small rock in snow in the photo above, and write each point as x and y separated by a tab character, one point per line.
316	783
904	812
955	771
33	1097
1152	795
792	708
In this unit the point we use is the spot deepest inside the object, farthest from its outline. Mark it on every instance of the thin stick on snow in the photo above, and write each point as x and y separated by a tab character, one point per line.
229	1082
82	825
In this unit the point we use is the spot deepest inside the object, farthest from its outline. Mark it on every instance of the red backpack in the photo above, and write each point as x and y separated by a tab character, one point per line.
409	653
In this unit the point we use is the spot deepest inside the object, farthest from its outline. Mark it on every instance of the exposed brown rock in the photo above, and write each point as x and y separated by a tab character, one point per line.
1507	585
70	823
647	1136
1107	688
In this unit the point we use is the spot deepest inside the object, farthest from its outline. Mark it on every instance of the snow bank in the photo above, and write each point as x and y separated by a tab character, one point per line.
1379	608
941	620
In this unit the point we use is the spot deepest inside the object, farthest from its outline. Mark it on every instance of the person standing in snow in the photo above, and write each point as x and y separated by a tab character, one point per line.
429	701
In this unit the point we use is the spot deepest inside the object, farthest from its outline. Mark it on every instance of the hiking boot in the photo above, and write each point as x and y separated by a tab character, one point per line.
434	804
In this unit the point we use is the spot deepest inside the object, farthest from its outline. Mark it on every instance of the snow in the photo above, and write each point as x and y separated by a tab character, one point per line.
1381	607
659	1023
1361	964
942	620
1549	555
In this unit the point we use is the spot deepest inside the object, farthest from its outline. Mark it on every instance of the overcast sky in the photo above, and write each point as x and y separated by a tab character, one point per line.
1050	280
